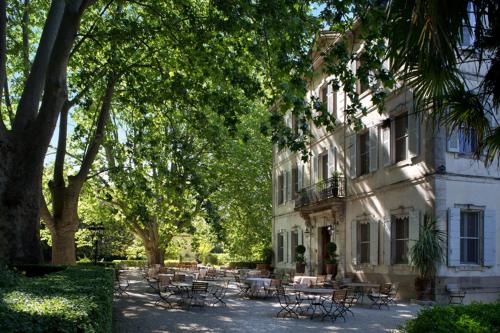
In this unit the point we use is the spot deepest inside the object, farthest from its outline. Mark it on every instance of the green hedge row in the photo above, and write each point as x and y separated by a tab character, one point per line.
76	299
476	317
131	263
243	264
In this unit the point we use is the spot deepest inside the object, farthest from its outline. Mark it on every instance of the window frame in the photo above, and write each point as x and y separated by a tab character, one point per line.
479	238
363	157
366	242
395	241
280	247
295	181
281	188
294	238
321	166
395	140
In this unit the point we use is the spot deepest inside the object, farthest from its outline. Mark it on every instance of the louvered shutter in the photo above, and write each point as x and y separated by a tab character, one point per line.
489	240
373	242
414	228
386	145
354	242
453	237
413	134
373	146
352	155
387	240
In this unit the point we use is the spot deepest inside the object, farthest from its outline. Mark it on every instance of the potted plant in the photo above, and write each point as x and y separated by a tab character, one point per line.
336	183
426	254
267	259
300	261
331	260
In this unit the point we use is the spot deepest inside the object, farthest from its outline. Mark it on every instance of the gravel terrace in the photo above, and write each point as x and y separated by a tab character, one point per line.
136	312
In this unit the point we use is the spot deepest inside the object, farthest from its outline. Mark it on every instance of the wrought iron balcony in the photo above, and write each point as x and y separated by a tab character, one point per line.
324	190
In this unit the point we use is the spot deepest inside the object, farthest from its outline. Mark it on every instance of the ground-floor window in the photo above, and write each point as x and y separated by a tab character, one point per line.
470	240
364	242
400	234
294	241
281	241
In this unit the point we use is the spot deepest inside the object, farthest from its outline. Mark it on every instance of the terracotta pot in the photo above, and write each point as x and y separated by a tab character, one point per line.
300	267
423	288
332	269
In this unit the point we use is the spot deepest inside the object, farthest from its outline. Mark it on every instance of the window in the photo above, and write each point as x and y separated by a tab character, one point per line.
470	240
324	94
467	141
293	244
401	137
323	160
364	243
399	239
281	241
281	185
468	28
361	86
364	154
295	124
295	182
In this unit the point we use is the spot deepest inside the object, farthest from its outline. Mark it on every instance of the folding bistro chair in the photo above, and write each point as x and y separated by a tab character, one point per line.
393	294
165	291
198	294
335	307
382	297
244	288
218	293
351	299
121	284
288	304
456	294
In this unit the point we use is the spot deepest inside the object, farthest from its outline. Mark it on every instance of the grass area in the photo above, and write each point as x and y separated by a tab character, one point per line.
76	299
477	317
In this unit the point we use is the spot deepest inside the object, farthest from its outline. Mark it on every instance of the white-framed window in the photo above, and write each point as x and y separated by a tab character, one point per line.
364	153
294	242
295	181
364	242
400	236
323	166
468	28
471	224
281	188
281	244
401	137
361	86
462	141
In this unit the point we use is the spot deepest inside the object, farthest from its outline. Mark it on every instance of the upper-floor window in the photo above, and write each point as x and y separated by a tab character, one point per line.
361	85
364	153
401	137
324	93
295	182
281	243
295	124
469	27
462	141
281	186
323	166
400	234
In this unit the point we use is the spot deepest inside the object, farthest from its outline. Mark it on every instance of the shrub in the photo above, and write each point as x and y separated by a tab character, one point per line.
476	317
76	299
243	264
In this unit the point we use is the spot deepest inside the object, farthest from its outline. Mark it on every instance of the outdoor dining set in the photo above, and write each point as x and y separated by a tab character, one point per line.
310	296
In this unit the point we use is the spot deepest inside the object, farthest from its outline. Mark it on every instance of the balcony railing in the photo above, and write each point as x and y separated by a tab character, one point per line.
323	190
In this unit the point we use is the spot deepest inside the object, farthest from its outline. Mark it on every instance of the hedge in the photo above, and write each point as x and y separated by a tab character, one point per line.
131	263
475	317
76	299
243	264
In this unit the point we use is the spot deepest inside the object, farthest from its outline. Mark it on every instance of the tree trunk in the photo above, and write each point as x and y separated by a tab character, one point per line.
20	191
63	247
155	254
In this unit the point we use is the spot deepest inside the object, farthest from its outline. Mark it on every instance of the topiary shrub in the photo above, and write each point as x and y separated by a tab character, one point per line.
476	317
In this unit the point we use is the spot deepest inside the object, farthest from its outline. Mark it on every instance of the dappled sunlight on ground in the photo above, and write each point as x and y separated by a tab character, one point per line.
136	312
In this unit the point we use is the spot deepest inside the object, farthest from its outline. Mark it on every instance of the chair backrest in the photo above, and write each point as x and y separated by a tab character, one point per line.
386	288
164	280
452	287
179	278
199	287
339	295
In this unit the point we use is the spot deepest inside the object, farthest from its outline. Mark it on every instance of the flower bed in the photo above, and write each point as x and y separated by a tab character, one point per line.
76	299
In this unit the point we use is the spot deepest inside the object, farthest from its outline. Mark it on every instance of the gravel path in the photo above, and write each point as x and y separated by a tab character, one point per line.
136	312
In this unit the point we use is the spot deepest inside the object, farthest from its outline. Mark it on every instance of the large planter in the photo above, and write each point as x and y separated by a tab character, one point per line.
423	288
264	267
300	267
332	269
335	191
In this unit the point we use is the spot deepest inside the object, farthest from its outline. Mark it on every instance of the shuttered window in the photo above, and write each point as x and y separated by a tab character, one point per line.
400	235
281	185
281	242
401	137
364	154
364	243
294	242
470	240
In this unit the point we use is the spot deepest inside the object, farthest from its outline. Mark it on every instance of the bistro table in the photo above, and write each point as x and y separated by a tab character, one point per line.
305	280
257	284
317	294
361	287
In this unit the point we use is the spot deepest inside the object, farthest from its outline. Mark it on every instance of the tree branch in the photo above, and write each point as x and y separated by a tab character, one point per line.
61	146
26	40
45	214
97	137
32	92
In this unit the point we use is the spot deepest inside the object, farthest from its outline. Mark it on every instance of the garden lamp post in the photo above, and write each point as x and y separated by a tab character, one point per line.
97	232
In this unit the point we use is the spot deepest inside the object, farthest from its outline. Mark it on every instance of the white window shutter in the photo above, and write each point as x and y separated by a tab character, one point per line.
300	171
330	99
373	242
387	240
453	237
352	155
332	160
413	229
489	240
354	242
386	145
453	141
373	144
315	169
413	134
288	185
